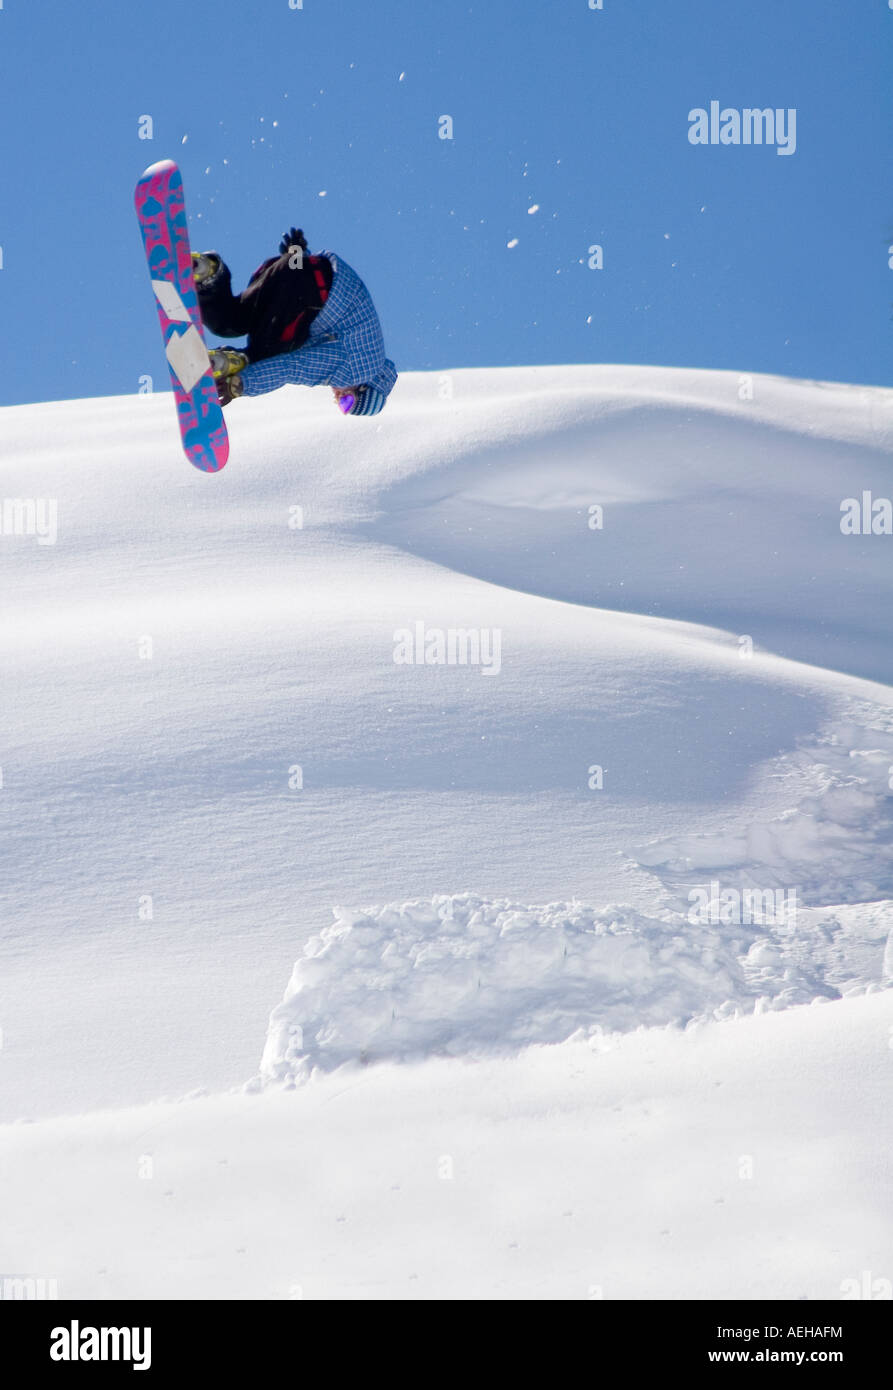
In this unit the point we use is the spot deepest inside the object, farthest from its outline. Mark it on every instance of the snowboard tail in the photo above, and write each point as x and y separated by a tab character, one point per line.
161	211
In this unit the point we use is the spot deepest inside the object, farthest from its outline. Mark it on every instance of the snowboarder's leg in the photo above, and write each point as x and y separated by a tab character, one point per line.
222	311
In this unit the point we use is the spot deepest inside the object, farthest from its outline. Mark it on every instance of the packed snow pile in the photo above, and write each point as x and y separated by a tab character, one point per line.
466	976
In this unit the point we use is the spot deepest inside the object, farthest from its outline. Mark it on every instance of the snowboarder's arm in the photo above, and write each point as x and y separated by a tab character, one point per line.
312	365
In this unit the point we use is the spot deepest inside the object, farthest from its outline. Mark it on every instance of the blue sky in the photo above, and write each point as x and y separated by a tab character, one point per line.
714	256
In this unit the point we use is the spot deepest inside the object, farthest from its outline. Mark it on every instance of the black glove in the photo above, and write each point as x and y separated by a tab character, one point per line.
293	237
229	388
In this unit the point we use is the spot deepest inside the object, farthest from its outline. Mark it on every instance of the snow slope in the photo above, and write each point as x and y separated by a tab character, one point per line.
135	785
207	744
749	1158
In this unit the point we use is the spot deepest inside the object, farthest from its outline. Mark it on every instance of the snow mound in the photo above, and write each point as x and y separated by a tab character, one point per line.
469	976
712	508
835	846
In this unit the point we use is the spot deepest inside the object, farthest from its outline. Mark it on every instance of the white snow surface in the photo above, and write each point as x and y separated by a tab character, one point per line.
206	745
744	1159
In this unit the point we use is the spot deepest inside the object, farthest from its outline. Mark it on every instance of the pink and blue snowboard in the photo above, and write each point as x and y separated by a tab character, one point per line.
162	218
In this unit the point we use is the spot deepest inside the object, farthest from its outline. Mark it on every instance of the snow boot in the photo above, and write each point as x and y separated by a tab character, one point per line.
205	265
227	362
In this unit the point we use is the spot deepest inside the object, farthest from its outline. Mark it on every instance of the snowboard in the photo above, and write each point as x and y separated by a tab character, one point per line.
161	210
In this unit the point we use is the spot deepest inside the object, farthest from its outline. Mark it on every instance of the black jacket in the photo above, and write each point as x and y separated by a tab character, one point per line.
275	309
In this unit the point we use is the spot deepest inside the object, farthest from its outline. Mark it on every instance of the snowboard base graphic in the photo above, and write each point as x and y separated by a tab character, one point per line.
161	211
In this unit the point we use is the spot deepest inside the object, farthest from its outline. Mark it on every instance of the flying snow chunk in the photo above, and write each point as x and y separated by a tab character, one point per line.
532	210
401	77
511	244
322	192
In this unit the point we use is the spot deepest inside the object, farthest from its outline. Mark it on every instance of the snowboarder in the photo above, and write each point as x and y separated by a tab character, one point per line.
310	321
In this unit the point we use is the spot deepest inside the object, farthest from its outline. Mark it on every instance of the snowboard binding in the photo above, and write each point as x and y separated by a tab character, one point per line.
227	362
205	265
